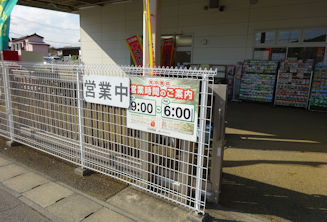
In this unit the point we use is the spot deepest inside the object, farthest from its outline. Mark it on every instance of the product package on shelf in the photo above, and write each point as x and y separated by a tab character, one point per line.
293	83
258	80
319	87
221	73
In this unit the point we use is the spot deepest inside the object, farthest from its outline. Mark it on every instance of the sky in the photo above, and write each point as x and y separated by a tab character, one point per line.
58	28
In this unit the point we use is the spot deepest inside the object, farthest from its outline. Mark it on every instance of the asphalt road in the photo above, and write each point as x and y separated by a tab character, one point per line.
13	210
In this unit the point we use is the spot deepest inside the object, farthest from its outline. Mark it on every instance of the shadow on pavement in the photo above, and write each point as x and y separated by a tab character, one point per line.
280	123
230	163
236	141
256	131
258	198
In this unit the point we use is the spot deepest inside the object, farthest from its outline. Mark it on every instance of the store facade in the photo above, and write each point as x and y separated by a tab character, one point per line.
235	31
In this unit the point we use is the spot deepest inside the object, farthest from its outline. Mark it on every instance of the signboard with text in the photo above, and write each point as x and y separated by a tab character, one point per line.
106	90
136	49
164	106
167	52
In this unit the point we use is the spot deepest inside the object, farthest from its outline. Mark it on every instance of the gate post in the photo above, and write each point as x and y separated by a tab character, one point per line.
80	171
6	83
219	104
201	146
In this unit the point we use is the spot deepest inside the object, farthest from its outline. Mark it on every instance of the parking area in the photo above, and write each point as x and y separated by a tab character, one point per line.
276	162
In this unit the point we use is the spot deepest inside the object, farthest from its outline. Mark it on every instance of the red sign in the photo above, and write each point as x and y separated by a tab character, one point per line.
167	52
135	47
10	55
320	52
157	91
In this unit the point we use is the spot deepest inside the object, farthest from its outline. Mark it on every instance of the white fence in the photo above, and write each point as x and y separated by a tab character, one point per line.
42	106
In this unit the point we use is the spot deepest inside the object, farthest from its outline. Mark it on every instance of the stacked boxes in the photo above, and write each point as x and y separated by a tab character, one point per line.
319	86
258	80
293	84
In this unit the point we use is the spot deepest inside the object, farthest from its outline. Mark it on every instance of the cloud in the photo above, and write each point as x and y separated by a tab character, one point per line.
58	28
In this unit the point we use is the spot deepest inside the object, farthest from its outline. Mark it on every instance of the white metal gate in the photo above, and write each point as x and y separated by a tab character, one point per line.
42	106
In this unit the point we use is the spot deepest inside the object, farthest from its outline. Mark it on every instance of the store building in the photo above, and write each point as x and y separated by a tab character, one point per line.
69	51
212	33
207	31
222	33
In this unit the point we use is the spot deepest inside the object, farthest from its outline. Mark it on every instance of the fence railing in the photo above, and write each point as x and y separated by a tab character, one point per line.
42	106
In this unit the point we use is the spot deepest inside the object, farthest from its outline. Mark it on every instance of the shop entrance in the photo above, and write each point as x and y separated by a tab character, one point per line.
180	52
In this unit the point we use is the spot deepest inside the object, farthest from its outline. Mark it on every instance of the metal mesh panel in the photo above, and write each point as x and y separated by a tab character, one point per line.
44	108
48	110
4	130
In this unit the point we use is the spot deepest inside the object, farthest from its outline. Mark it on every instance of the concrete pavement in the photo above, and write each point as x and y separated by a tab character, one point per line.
56	201
14	210
23	189
275	165
59	202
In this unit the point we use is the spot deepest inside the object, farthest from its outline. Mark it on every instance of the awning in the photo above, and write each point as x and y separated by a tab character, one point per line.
66	5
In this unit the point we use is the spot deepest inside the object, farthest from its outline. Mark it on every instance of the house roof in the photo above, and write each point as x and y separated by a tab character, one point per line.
24	37
38	43
69	48
66	5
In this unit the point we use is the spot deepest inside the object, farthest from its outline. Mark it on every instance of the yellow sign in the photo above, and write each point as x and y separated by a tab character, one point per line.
147	14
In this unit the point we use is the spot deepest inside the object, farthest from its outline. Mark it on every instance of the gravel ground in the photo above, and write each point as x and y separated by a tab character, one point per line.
276	162
96	185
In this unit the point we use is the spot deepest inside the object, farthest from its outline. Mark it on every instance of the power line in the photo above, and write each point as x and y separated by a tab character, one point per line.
43	24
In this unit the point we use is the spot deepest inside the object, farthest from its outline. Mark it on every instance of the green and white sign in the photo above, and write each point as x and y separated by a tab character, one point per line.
164	106
6	7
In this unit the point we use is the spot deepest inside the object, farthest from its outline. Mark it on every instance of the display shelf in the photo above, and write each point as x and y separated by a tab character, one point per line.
258	80
293	84
318	99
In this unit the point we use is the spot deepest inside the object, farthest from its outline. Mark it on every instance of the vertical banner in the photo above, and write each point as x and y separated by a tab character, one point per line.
6	7
167	52
320	52
136	50
148	29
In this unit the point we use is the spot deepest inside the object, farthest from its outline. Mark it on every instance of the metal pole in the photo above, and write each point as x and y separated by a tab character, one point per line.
309	91
277	85
144	135
52	67
202	135
80	116
6	82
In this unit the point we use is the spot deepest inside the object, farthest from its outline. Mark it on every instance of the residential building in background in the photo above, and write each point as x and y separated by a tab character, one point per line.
30	43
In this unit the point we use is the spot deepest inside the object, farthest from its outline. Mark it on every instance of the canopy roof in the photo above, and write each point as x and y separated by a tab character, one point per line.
66	5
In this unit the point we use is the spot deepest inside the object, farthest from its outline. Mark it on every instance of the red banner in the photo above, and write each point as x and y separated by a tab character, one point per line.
135	47
10	55
167	52
320	52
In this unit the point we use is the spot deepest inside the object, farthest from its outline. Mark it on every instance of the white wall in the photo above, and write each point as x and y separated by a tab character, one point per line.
104	30
229	34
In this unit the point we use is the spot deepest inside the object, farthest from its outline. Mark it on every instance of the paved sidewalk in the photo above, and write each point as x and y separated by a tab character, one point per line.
54	200
14	210
61	203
